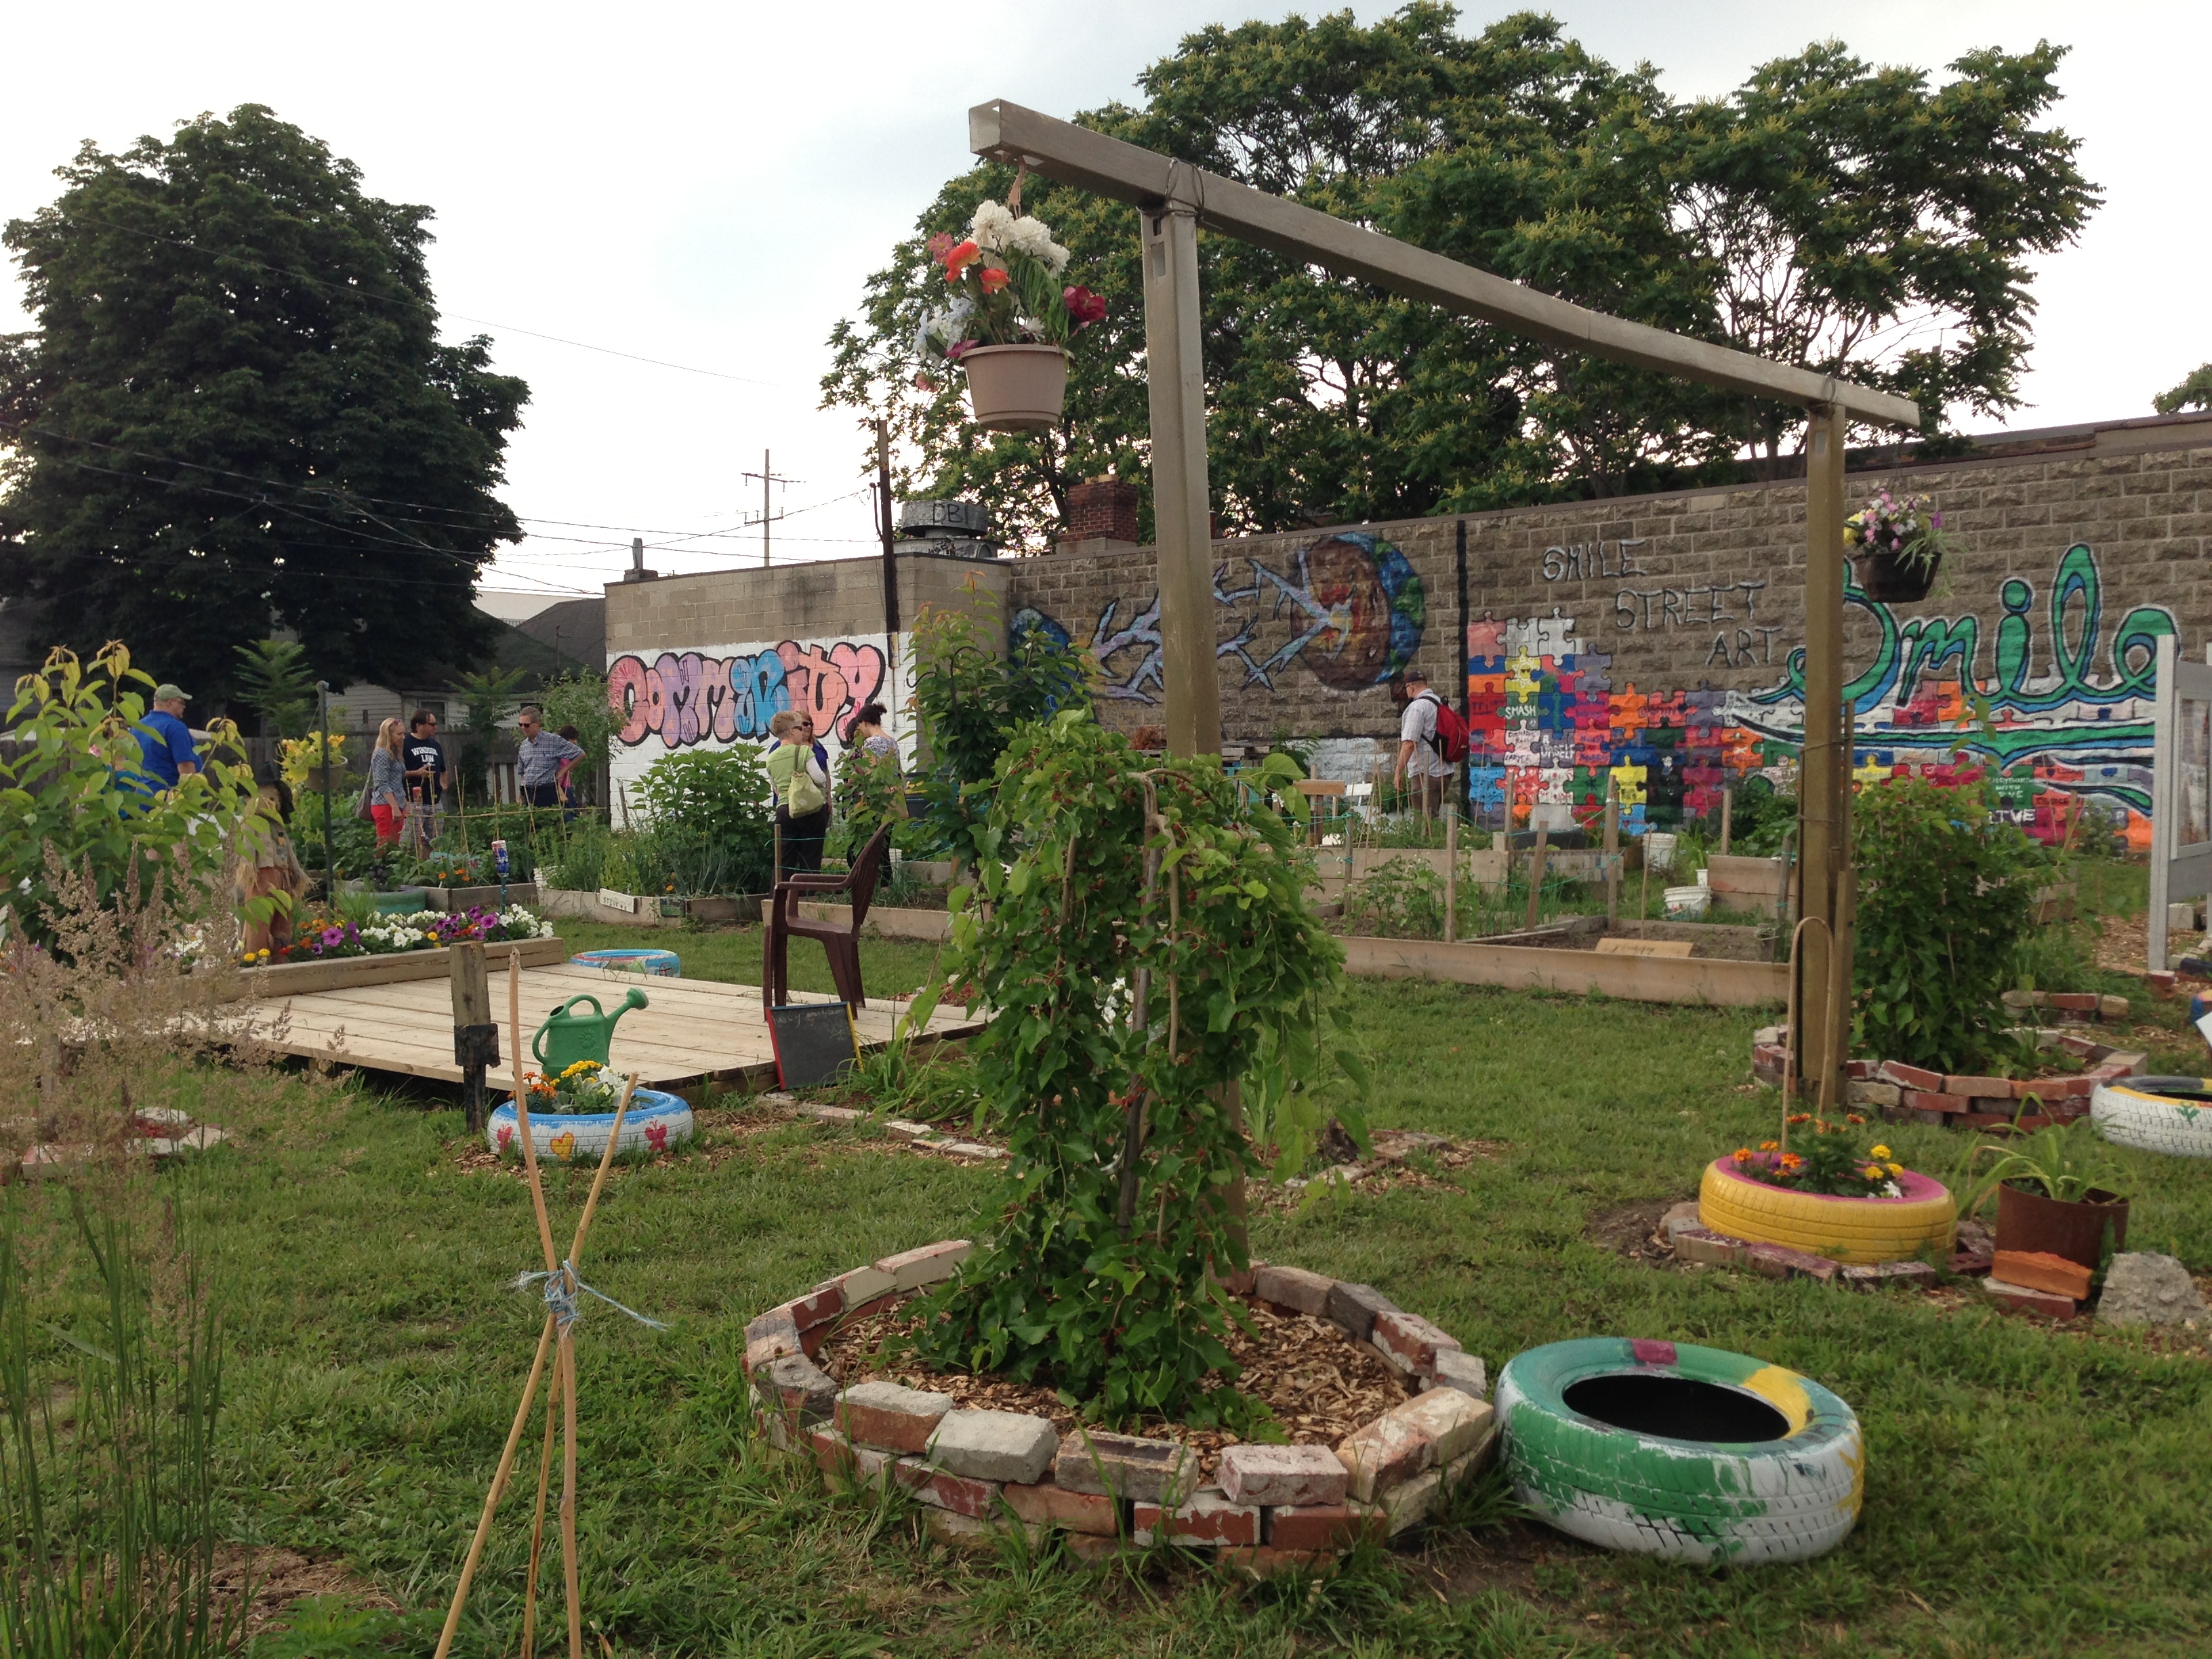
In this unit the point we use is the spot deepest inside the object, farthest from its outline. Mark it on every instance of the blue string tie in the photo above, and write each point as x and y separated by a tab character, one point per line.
562	1287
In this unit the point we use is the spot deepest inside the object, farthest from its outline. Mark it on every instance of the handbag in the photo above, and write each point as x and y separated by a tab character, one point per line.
360	801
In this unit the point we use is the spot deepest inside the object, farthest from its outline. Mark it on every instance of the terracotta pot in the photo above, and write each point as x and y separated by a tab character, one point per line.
2029	1221
1016	388
1887	578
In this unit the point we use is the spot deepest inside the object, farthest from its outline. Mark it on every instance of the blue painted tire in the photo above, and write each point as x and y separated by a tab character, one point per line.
663	964
1787	1498
655	1121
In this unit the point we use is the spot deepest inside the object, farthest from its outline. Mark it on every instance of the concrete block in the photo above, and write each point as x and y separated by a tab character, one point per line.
797	1389
1124	1466
987	1445
889	1415
1293	1288
770	1337
862	1284
2143	1287
1458	1369
1876	1094
912	1269
1354	1307
1252	1473
1715	1250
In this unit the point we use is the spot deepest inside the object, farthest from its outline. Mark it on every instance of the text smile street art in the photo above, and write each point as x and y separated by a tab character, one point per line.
685	697
1549	725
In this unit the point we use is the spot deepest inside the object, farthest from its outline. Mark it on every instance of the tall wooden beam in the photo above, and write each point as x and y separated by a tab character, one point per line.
1824	774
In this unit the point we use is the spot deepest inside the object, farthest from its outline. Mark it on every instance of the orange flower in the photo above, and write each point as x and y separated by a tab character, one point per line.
1768	1145
1742	1154
1855	1118
994	279
1799	1117
958	259
1791	1161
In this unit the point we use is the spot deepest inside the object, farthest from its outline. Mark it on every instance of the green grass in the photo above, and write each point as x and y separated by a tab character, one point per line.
2027	1491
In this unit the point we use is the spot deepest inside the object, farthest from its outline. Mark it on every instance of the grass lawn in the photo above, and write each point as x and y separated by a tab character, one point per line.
2028	1492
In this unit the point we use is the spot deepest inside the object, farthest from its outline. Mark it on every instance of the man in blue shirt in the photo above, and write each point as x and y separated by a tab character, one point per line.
165	742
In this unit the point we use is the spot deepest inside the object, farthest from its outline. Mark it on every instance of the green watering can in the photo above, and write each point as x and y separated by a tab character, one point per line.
568	1036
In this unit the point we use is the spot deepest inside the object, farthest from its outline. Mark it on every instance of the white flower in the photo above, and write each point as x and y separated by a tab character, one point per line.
1030	236
992	224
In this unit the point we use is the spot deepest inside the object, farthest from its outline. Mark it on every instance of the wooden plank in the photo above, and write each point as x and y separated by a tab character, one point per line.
291	978
1644	947
1127	173
886	921
1533	967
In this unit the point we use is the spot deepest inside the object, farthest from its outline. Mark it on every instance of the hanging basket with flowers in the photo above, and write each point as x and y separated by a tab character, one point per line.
1900	544
1008	318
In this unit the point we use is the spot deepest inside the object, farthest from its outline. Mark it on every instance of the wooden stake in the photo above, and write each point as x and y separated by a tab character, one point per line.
537	1523
569	1572
1536	871
1451	873
1612	851
1643	894
1728	811
522	1106
498	1490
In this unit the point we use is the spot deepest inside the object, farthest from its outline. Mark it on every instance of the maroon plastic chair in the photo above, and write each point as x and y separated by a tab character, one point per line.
841	940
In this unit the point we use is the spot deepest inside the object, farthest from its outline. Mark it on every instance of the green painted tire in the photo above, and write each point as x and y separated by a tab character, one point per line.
1787	1498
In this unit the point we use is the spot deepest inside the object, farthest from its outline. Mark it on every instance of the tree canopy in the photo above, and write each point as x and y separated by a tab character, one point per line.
1851	220
236	414
2194	393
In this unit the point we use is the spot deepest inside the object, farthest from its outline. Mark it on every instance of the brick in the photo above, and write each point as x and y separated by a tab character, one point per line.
1272	1476
950	1527
1123	1466
988	1445
1458	1370
1241	1284
943	1490
911	1269
770	1337
2035	1304
1324	1526
1354	1308
818	1307
1047	1503
1702	1244
1414	1502
2084	1048
1922	1100
1856	1071
2112	1007
1209	1517
1912	1077
1293	1288
1971	1263
1086	1547
797	1389
1779	1261
1265	1563
1412	1338
1408	1439
1999	1087
842	1461
2081	1002
2040	1270
1876	1094
889	1415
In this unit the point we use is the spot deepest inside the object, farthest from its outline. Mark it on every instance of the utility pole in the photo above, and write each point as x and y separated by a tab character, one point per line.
767	478
891	559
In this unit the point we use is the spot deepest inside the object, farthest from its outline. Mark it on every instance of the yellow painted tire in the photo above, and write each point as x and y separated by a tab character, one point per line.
1849	1230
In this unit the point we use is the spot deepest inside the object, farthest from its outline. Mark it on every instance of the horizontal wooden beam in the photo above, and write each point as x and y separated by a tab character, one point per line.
1713	980
1091	161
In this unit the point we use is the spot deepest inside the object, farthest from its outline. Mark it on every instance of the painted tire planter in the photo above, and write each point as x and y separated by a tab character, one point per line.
1669	1449
665	964
1852	1230
2170	1115
655	1121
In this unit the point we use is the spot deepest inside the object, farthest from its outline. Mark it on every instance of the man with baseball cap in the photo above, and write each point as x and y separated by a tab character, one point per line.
165	741
1419	749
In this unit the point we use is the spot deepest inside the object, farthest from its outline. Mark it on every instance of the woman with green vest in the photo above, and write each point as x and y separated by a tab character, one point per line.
798	771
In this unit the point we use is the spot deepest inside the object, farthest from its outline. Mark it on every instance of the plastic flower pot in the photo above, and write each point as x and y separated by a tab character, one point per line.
1844	1228
1892	579
2031	1221
1016	388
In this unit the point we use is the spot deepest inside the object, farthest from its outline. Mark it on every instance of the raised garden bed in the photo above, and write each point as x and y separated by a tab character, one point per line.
392	967
1385	1410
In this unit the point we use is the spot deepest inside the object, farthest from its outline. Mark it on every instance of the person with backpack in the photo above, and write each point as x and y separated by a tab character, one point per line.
1432	741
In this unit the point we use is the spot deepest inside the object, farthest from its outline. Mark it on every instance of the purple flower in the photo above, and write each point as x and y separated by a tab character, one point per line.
1934	520
333	937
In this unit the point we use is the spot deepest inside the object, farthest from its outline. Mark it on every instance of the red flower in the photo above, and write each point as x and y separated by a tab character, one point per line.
994	279
958	259
1084	306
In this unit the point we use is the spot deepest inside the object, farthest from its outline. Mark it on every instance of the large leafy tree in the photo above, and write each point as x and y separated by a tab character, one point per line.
1850	219
235	412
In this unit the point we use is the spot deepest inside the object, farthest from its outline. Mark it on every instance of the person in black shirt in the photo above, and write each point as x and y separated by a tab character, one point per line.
430	776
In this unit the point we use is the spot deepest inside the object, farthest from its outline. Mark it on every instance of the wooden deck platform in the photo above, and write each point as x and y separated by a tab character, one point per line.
692	1031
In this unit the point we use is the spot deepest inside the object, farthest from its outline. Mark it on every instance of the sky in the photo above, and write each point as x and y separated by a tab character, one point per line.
709	186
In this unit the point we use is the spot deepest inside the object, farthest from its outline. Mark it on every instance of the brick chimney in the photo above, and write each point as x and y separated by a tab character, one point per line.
1102	514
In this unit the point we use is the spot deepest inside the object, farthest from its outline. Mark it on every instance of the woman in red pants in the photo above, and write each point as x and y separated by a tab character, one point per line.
387	783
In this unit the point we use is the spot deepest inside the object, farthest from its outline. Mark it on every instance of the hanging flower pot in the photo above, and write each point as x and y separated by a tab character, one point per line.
1897	547
1891	579
1016	388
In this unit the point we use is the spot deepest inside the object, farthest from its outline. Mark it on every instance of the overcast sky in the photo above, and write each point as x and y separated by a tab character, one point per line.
710	185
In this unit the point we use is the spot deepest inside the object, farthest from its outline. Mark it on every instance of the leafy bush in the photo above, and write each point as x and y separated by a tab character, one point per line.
1115	1211
1946	902
580	700
710	822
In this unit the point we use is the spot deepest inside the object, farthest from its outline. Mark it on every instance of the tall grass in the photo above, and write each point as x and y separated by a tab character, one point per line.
108	1489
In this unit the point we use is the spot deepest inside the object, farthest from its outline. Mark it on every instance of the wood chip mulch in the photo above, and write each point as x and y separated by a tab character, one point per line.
1317	1382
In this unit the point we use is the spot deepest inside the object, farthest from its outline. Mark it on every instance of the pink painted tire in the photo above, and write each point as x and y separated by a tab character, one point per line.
1847	1230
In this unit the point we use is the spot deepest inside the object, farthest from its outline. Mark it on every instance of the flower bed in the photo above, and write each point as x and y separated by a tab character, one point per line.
324	938
979	1468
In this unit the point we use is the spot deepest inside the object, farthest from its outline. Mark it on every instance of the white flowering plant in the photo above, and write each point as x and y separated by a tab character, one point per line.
1906	527
1006	288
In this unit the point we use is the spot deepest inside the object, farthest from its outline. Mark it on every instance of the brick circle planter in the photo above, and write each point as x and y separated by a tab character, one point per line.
1270	1508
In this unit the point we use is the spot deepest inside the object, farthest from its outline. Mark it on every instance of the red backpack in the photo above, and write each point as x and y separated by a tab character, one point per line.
1451	731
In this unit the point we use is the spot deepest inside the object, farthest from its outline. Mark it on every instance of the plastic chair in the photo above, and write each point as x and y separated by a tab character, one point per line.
841	940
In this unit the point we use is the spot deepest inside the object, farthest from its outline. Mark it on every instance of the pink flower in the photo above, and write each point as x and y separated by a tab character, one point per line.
333	937
1084	306
958	349
940	245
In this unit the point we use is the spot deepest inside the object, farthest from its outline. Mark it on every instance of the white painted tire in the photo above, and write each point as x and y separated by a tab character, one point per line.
655	1121
2169	1115
1787	1498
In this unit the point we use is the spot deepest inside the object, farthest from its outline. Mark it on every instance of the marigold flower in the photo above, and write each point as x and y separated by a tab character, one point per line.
1878	1152
994	279
1791	1161
1741	1155
1855	1118
1872	1172
1768	1145
1897	1169
1799	1117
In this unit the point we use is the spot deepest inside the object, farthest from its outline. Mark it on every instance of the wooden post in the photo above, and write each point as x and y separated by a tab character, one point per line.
475	1028
1612	851
1451	873
1644	892
1728	806
1183	514
1536	871
1821	851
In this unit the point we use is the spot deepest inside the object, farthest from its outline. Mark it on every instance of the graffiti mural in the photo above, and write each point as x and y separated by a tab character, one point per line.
685	697
1351	610
1549	725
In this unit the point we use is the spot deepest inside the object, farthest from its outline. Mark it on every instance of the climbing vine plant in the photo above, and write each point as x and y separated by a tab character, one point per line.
1140	929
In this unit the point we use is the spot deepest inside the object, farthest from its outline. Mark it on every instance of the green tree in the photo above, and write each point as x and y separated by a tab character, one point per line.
2195	392
487	698
235	409
275	681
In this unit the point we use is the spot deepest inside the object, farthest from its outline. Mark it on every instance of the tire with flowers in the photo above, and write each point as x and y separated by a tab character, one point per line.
656	1122
1631	1445
1845	1229
2169	1115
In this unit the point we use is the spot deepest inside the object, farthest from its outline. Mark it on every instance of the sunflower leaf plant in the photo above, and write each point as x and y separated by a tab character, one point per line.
1826	1160
585	1086
1004	288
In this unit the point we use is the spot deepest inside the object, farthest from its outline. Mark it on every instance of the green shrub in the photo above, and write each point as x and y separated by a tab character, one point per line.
710	822
1946	903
